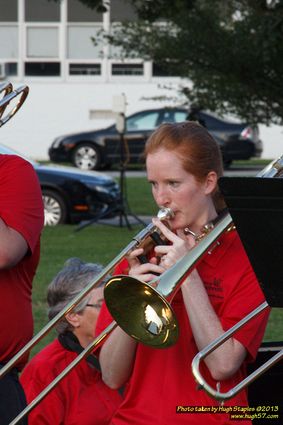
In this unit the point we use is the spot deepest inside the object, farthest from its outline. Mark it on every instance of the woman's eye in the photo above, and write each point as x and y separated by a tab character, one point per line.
174	184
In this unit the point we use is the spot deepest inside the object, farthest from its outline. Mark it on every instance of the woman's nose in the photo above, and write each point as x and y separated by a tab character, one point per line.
161	197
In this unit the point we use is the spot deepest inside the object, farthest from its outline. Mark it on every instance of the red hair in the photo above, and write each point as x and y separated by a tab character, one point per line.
197	149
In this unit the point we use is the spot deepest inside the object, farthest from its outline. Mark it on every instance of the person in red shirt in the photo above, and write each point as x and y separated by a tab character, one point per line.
81	397
183	165
21	222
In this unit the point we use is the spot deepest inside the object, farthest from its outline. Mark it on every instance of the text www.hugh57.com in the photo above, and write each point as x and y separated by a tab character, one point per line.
235	412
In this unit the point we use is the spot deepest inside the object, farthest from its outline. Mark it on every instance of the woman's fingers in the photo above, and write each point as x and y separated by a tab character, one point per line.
169	235
146	272
148	277
190	240
179	246
135	253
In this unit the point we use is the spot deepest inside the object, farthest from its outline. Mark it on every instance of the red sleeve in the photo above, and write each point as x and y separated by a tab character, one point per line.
21	206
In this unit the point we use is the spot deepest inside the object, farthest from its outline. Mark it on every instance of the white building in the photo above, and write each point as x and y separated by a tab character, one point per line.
47	45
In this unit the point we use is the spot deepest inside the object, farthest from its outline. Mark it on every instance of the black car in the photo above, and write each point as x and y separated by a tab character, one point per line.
92	150
71	195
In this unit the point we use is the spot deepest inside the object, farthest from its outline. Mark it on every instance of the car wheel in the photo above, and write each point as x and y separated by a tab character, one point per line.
55	211
87	157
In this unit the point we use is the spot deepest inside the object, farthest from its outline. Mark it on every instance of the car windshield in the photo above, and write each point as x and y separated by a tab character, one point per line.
142	121
149	120
8	151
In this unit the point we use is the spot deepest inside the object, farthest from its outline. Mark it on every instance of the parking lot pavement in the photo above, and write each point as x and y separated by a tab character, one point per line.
132	220
125	221
248	171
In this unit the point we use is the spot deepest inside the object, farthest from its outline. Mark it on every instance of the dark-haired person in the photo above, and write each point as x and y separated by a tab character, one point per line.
183	166
81	397
21	222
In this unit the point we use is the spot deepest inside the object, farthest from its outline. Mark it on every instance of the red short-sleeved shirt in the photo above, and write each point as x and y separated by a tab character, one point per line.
162	378
80	398
21	208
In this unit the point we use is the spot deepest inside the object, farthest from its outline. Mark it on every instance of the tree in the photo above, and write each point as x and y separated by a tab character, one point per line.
231	52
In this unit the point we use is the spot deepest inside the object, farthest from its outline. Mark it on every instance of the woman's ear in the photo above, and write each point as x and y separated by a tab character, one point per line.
211	182
74	319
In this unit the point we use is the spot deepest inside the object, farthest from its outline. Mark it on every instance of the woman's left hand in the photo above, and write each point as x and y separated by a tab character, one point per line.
180	245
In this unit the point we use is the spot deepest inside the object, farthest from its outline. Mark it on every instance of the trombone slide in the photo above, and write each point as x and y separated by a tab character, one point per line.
202	384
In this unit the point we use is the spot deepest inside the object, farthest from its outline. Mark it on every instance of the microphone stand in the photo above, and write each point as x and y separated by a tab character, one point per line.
125	210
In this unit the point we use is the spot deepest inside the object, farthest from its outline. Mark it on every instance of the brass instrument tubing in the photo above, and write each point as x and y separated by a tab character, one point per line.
189	261
219	341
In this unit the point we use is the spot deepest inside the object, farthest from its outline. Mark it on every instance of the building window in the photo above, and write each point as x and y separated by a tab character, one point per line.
80	44
45	69
85	69
78	12
42	11
9	49
122	10
11	69
9	10
42	42
8	69
127	69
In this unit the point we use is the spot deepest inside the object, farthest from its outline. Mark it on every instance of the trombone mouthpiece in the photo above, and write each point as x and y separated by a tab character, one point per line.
165	214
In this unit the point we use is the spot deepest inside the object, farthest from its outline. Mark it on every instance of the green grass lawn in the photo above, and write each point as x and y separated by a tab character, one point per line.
100	243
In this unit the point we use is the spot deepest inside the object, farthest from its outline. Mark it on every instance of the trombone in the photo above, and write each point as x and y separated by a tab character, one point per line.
154	311
157	326
9	94
149	317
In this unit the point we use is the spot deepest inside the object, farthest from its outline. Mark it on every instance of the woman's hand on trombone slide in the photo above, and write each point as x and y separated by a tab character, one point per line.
179	245
164	257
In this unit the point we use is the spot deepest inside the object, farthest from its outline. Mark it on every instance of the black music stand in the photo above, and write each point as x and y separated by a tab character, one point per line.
256	206
123	209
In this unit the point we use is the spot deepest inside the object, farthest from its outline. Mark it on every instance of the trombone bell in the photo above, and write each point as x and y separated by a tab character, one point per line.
141	311
144	312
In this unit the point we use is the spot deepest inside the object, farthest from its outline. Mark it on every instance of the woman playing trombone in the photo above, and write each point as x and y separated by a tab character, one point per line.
183	165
